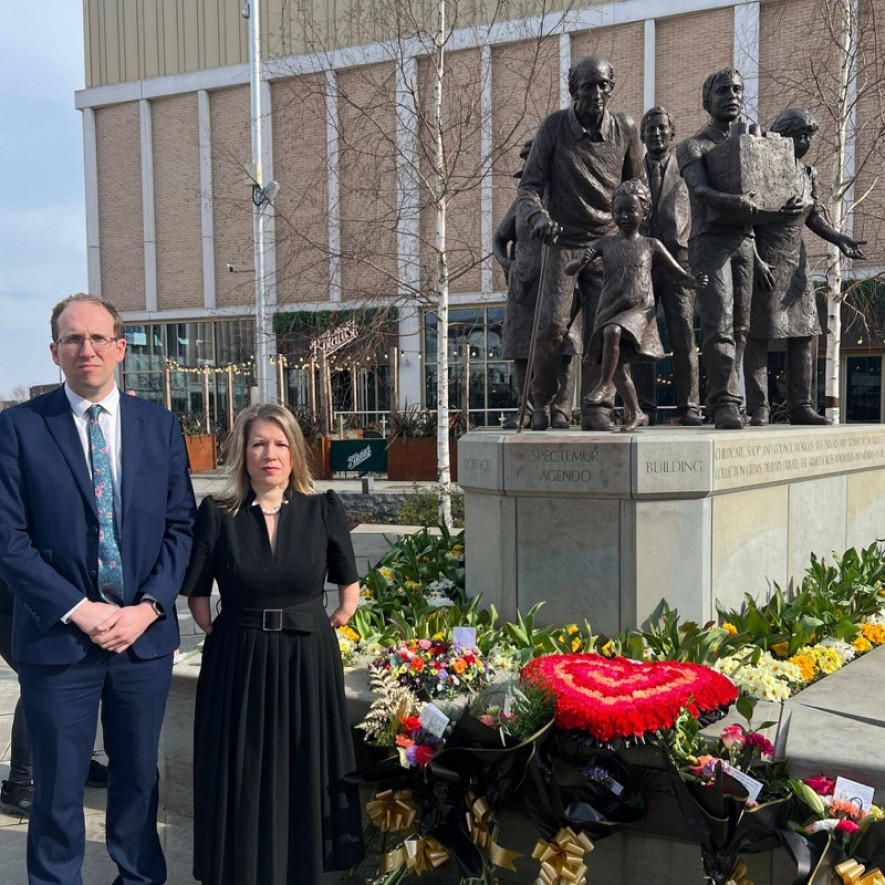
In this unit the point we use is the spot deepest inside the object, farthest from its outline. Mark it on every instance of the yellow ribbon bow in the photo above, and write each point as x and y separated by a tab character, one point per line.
479	828
392	810
562	858
853	873
418	856
424	855
739	875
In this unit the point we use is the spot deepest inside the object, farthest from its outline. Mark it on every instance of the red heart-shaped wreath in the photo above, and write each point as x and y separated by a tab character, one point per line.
616	697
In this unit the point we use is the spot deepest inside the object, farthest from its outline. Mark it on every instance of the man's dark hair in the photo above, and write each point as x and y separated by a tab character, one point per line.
657	111
714	79
89	299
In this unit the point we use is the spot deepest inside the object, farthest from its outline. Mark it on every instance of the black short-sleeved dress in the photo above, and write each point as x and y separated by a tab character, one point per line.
271	736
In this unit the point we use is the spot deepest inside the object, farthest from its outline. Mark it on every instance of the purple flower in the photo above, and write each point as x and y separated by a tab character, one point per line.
759	742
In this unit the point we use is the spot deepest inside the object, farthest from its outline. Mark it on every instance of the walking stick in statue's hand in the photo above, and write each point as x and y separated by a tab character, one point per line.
552	235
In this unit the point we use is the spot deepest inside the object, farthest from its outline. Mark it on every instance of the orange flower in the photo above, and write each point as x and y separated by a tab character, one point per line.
848	809
403	741
862	644
805	665
459	666
730	629
417	664
875	633
780	649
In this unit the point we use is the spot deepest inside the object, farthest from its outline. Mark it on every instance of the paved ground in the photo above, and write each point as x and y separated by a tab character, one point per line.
370	542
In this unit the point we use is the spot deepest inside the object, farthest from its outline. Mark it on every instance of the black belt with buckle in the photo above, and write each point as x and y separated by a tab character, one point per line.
276	620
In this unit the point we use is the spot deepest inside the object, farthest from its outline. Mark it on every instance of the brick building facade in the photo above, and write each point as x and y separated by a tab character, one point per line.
166	119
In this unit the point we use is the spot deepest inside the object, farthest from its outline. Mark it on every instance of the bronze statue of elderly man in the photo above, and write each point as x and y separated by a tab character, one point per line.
578	157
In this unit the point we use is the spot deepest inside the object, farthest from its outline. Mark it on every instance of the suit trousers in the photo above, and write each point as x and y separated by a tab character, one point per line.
727	259
61	704
19	750
563	298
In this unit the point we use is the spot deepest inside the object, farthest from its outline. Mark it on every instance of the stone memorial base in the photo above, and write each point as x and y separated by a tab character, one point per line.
605	526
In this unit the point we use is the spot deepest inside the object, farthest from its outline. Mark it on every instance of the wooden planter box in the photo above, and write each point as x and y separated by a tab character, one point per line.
201	452
414	458
320	452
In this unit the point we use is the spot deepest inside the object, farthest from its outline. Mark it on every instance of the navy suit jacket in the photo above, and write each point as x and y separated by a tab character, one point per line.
49	525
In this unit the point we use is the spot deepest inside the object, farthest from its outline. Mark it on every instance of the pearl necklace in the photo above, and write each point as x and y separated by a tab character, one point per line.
273	512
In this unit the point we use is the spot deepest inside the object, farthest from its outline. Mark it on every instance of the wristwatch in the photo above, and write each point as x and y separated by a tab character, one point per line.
159	611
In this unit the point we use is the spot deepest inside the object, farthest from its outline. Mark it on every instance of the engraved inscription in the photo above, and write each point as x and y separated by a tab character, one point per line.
785	459
574	457
566	456
694	466
481	464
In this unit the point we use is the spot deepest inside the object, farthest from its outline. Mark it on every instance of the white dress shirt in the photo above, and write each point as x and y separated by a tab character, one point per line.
109	421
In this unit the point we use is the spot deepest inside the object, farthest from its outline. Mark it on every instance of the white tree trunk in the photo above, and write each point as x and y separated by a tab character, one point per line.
442	281
842	176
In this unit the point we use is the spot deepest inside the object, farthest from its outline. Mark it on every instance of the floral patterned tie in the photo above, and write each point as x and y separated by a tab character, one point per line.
110	568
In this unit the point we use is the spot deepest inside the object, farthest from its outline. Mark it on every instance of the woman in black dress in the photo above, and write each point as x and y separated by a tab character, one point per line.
271	737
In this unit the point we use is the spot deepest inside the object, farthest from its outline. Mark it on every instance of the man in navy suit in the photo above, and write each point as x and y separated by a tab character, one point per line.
670	222
94	626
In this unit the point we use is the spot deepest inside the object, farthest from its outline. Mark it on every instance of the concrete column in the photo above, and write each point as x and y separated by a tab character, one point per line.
148	207
565	62
207	225
411	374
746	55
90	175
332	185
486	203
649	84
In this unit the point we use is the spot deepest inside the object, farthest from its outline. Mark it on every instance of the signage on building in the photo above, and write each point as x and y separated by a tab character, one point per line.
359	455
334	339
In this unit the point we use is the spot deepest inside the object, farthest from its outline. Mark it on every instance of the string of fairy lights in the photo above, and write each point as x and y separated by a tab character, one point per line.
247	367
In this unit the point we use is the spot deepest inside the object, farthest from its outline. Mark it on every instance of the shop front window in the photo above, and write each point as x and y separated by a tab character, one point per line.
863	389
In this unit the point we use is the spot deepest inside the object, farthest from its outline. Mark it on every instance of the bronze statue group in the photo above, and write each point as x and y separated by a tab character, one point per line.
600	236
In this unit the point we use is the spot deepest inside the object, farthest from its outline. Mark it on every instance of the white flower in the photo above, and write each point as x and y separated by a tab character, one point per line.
435	599
841	647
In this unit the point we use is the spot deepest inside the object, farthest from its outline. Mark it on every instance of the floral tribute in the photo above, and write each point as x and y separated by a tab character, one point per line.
619	698
437	666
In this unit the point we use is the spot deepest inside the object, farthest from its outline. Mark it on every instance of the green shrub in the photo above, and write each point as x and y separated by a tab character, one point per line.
421	507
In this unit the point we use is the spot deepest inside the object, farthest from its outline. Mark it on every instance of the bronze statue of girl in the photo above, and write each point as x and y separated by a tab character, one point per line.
625	328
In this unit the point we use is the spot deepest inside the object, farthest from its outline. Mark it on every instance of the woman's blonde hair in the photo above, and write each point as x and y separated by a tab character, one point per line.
238	484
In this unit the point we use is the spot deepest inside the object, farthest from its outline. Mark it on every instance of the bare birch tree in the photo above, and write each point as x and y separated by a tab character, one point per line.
416	111
838	73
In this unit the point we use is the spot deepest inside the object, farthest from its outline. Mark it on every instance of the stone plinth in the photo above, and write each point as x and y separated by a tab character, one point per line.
606	526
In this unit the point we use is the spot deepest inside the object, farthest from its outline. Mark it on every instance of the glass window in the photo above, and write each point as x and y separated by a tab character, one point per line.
145	350
474	339
191	344
234	341
494	330
863	389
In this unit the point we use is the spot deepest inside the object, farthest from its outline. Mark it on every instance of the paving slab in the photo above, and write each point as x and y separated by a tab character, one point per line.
818	742
854	692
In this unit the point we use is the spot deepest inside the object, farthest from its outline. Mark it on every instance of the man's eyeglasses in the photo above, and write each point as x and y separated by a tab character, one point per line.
75	342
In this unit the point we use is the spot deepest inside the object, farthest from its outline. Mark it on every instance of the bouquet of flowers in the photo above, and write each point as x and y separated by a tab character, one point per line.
712	786
827	835
415	746
435	666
